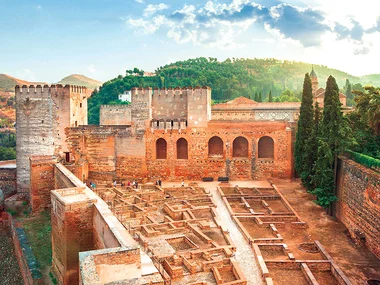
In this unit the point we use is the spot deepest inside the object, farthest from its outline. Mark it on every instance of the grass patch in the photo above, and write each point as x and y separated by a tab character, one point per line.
38	231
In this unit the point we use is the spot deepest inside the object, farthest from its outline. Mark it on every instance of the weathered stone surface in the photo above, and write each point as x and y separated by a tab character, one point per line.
42	114
358	205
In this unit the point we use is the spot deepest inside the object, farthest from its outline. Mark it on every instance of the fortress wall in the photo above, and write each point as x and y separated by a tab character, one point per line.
169	104
199	164
198	107
115	115
141	108
358	205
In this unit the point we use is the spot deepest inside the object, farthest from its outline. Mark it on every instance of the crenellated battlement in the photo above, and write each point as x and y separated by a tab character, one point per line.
54	88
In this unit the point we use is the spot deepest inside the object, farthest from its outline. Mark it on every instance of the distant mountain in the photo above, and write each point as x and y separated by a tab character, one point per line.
8	83
371	79
80	80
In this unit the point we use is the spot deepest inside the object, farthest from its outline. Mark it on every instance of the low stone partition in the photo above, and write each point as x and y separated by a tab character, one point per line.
276	234
90	245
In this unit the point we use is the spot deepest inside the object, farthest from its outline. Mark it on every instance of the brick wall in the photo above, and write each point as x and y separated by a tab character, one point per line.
115	152
71	233
358	205
41	181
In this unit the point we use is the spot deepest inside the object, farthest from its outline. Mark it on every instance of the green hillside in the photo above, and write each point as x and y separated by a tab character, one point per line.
228	79
80	80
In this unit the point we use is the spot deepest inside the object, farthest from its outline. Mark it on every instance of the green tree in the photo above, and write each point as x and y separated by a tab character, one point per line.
368	106
336	136
270	97
323	176
303	159
260	99
256	98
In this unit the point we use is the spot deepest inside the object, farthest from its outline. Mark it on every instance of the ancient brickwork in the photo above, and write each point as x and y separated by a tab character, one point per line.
8	177
200	164
115	115
71	233
358	205
169	104
41	182
42	114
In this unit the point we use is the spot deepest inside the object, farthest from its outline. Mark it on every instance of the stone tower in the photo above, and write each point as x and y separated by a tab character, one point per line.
42	114
314	80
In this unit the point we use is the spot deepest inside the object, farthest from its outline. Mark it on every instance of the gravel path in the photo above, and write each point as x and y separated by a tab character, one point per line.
9	270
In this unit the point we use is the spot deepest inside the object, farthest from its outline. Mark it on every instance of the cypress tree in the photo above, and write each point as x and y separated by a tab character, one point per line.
260	97
323	176
256	97
335	137
312	146
303	159
270	97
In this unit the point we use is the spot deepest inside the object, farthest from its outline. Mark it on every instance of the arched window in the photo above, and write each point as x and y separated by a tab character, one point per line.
266	147
182	149
215	147
240	147
161	147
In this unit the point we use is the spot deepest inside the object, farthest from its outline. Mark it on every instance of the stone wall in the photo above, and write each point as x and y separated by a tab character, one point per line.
114	152
41	181
358	206
8	178
115	115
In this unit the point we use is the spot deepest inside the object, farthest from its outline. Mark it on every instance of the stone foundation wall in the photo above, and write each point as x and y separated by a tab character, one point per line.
358	206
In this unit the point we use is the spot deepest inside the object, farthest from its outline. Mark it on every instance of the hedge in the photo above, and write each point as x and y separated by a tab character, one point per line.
364	159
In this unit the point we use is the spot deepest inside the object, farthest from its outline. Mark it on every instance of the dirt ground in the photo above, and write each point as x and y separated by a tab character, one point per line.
357	262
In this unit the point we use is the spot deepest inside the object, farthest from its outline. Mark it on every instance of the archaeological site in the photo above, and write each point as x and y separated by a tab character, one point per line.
172	189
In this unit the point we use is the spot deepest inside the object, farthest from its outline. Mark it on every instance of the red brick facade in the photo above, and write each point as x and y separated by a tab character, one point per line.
358	205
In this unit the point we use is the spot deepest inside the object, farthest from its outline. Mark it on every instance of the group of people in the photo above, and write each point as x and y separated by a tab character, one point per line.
159	182
135	184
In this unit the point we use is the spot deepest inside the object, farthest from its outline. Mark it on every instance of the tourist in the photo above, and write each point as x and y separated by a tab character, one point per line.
159	182
137	185
183	184
129	183
114	183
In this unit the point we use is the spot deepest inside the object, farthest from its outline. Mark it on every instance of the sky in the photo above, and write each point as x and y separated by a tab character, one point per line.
47	40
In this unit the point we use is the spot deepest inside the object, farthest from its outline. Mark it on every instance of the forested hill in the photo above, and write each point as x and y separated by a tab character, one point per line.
228	79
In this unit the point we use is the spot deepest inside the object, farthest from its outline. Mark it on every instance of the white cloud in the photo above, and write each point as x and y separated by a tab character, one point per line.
39	7
147	26
153	9
140	1
225	25
91	68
